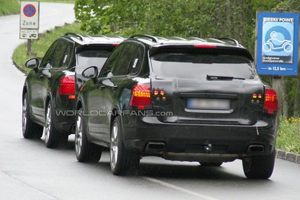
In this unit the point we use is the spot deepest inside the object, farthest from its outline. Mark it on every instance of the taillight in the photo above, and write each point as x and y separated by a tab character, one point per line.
271	101
141	96
207	46
67	86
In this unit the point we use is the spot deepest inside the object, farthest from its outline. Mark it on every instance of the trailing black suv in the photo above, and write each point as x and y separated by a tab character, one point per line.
49	92
181	99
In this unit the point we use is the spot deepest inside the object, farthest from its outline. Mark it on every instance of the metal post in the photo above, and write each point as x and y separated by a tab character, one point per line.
277	81
29	47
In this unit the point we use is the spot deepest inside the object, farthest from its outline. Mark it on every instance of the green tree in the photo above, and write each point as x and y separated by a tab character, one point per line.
184	18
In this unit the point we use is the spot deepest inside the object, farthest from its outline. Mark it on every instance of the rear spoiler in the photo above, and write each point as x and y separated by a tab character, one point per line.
191	48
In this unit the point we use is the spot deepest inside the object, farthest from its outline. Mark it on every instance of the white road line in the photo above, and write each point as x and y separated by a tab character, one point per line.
204	197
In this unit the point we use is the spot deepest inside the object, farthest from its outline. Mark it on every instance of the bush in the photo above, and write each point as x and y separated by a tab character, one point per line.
289	134
9	7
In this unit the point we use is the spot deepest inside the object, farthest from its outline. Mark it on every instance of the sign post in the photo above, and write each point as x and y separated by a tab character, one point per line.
29	22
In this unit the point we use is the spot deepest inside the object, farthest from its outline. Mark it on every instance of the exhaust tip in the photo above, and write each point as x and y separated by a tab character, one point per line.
156	145
256	149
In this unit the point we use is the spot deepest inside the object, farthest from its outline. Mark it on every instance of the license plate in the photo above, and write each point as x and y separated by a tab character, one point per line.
208	104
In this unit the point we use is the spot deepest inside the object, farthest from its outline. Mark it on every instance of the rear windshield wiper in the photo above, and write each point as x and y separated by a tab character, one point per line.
222	78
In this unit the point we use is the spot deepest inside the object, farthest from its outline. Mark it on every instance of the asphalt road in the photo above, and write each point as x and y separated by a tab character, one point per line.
28	170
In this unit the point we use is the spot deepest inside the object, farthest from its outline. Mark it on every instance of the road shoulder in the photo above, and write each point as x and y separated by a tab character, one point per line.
292	157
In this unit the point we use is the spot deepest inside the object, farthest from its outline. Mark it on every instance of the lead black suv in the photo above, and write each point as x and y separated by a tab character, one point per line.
49	91
181	99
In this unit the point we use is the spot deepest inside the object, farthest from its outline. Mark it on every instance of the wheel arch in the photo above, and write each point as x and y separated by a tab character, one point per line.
116	112
47	100
79	104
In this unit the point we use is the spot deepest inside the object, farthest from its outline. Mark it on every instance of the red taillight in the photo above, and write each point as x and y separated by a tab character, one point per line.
141	96
207	46
116	44
67	86
271	101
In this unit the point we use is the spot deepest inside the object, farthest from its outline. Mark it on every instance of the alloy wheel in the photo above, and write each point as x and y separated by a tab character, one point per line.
24	115
78	135
114	146
48	124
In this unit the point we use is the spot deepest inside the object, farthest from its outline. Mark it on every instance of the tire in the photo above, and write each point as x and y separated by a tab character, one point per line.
122	161
85	151
30	129
51	134
206	164
259	167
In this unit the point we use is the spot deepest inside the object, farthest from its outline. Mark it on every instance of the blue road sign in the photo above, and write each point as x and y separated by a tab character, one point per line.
277	43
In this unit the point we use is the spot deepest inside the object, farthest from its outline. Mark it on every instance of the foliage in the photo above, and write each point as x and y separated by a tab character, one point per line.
184	18
205	18
289	134
9	7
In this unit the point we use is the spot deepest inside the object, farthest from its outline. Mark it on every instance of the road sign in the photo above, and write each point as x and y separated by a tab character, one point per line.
277	43
29	10
29	15
29	34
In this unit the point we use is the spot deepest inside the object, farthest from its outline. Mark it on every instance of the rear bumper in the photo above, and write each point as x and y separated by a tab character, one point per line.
65	123
198	142
65	114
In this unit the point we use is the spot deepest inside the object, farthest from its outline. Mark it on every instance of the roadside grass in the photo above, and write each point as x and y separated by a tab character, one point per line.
40	46
289	135
9	7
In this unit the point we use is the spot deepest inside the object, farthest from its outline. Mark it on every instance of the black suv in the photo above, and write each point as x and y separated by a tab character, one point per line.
181	99
49	92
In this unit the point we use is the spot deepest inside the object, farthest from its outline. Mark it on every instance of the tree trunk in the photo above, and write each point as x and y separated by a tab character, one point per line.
284	98
297	99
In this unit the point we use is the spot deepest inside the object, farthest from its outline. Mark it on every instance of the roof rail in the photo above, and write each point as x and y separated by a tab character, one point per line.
230	40
75	35
197	38
103	36
178	38
216	40
117	36
154	39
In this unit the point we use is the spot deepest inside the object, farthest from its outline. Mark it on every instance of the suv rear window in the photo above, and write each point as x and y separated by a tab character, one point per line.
199	65
91	58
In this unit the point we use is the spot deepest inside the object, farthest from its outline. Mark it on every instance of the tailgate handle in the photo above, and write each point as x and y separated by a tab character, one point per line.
207	95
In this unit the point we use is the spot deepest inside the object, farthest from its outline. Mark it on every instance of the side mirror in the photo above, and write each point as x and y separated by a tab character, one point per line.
90	72
32	63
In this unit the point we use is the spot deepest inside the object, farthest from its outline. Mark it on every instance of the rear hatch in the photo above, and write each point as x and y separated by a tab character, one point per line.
206	86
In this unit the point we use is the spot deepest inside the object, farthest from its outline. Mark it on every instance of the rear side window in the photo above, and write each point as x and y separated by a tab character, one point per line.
200	64
89	58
